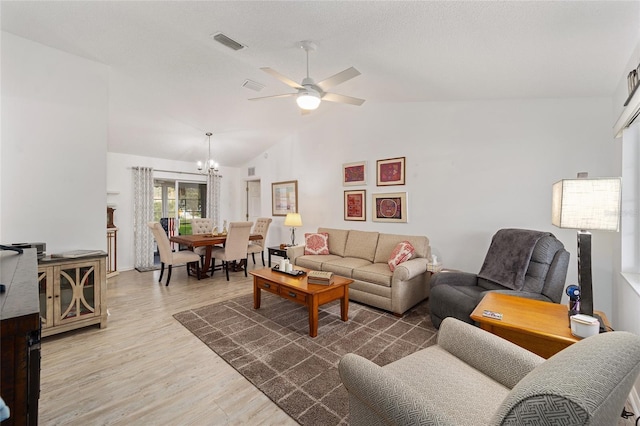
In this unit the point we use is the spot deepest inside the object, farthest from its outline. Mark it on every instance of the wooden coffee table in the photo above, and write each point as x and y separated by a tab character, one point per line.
299	291
540	327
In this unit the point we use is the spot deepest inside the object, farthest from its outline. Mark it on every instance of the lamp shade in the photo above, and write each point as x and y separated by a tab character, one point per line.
293	219
586	204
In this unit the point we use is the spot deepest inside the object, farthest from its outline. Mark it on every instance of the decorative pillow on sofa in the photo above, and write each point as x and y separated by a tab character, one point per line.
317	243
403	252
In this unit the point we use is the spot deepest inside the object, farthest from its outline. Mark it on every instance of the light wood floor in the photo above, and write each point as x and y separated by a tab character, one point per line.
147	369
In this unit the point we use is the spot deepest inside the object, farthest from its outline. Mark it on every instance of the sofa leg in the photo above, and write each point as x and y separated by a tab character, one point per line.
398	315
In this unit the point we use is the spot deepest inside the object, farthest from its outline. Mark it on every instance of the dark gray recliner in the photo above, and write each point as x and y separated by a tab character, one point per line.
521	262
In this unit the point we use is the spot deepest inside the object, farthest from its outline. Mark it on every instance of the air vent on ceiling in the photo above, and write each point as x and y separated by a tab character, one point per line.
253	85
251	171
229	42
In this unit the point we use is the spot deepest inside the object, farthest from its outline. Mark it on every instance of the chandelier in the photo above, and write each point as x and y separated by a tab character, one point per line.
209	165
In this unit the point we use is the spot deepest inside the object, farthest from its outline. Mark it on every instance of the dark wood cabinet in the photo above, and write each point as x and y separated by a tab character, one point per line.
20	336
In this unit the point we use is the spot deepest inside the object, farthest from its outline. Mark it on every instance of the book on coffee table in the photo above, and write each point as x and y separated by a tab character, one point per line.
320	277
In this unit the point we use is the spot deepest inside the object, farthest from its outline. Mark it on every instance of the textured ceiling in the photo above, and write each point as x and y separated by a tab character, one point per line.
171	83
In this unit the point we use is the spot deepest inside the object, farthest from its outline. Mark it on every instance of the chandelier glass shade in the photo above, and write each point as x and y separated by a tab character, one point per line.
209	165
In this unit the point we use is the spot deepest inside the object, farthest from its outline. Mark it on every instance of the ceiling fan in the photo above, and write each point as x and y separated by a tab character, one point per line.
309	92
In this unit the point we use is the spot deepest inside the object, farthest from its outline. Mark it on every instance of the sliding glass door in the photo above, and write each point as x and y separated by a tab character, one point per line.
175	203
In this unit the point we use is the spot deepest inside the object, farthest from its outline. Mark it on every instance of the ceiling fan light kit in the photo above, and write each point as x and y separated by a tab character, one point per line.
308	99
310	93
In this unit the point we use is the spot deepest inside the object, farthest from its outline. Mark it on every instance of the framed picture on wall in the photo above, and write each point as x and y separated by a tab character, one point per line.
355	205
354	173
391	207
390	171
284	198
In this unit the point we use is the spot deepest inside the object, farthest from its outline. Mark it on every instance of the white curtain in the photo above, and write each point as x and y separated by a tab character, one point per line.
213	198
143	213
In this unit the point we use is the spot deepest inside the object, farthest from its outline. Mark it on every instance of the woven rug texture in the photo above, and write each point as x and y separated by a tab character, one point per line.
271	347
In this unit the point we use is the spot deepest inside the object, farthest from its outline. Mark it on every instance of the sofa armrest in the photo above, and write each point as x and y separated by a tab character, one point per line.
503	361
294	252
382	398
454	278
410	269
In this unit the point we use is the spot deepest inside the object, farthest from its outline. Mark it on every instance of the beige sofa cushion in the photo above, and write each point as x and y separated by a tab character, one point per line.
376	273
362	244
337	240
344	266
387	242
315	261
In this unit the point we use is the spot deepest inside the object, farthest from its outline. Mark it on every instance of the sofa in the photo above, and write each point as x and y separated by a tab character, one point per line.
472	377
363	256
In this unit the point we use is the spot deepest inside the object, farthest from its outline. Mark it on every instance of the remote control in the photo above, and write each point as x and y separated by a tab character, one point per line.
491	314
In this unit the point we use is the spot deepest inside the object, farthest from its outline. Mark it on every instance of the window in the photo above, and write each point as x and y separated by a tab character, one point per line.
631	199
189	203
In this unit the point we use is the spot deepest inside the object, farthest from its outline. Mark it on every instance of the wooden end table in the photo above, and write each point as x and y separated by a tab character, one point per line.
540	327
299	291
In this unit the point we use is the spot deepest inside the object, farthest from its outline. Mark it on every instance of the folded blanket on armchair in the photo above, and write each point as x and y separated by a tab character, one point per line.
508	257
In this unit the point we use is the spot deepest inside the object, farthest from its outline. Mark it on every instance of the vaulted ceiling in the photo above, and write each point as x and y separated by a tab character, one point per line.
170	82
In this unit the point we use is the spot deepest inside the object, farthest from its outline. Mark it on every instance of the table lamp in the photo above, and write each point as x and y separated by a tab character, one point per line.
293	220
586	204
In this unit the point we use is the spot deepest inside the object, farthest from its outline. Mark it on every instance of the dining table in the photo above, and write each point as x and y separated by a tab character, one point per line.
208	241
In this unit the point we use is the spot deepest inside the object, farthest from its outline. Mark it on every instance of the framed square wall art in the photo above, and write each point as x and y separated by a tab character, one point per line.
390	171
391	207
355	205
354	173
284	198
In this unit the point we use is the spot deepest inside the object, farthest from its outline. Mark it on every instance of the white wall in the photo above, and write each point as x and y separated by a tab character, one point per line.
54	144
472	168
120	187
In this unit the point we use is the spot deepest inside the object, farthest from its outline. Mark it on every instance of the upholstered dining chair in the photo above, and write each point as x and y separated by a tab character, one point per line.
169	257
235	248
201	226
261	227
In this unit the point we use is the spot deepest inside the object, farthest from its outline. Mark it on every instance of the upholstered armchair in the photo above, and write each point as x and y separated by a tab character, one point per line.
521	262
472	377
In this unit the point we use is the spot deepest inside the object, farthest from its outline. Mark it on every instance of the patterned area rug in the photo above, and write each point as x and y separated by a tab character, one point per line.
271	347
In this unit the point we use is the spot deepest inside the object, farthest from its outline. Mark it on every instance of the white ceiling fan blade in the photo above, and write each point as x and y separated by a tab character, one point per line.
282	78
286	95
334	97
341	77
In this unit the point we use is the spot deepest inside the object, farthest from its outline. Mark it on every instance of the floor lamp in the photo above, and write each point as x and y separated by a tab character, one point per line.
293	220
586	204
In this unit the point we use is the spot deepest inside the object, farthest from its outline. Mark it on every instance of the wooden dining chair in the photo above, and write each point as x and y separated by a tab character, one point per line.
235	248
257	246
169	257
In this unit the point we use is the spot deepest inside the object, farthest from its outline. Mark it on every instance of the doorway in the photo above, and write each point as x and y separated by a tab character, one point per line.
254	204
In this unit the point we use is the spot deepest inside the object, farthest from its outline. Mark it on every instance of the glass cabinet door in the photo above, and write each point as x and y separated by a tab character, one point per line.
45	290
77	298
